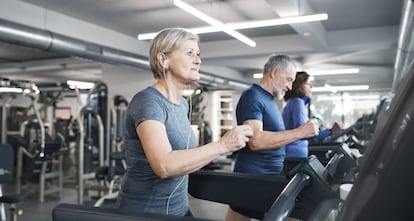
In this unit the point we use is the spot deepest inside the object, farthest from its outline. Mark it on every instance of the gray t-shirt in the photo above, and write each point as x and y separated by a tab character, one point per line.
141	189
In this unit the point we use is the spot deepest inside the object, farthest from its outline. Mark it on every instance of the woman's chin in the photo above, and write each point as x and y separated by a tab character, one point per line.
193	79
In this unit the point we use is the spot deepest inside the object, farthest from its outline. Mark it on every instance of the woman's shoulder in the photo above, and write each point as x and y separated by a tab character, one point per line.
292	104
147	92
147	95
295	100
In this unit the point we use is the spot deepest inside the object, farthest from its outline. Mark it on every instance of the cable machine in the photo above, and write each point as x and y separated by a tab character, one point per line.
93	144
37	154
111	174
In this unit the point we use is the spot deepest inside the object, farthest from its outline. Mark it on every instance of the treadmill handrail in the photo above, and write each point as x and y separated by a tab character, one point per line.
285	202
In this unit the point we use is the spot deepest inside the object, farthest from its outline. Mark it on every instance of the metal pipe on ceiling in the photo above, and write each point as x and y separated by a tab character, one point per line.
15	33
405	49
18	34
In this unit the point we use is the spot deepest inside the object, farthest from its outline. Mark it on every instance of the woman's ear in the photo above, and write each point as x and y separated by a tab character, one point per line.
161	59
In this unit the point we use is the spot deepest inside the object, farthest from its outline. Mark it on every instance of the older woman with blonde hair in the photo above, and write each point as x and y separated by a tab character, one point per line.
160	146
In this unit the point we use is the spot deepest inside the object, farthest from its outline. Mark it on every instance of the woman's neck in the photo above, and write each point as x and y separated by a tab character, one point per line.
170	90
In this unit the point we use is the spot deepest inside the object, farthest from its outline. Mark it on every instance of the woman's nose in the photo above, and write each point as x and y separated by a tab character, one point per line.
197	59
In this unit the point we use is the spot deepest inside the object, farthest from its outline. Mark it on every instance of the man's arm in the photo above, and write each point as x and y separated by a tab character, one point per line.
266	140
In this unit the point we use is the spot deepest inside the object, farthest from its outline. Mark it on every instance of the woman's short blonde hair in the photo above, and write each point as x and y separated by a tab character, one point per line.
167	41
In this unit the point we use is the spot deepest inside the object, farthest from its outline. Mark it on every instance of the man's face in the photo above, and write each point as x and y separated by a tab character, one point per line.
283	82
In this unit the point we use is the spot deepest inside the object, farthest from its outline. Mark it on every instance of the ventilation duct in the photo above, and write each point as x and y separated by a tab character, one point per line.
19	34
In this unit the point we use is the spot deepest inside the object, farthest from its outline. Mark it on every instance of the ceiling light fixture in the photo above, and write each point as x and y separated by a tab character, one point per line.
80	84
368	98
257	75
333	72
334	89
10	90
250	24
188	8
277	21
321	72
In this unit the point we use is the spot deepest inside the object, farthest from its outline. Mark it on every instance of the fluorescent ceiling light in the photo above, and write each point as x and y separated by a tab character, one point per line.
368	98
277	21
334	89
260	75
257	75
214	22
10	90
333	72
18	90
365	97
80	84
322	72
251	24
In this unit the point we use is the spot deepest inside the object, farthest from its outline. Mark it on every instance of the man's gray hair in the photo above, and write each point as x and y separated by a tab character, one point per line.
283	62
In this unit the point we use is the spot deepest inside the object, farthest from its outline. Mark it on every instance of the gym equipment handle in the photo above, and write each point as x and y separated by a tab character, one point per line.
285	202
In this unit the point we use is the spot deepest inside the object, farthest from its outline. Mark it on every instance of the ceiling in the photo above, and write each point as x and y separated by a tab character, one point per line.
357	34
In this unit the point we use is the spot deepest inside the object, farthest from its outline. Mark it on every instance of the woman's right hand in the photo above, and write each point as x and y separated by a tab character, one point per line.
236	138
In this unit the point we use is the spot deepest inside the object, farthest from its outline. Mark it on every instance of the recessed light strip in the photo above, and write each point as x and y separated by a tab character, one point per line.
80	84
334	89
277	21
257	75
322	72
10	90
251	24
214	22
333	72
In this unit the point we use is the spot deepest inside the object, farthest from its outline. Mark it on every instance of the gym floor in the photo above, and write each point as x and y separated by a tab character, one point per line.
34	210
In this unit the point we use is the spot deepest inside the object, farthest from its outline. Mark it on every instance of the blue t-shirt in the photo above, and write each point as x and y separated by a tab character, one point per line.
142	190
257	104
295	115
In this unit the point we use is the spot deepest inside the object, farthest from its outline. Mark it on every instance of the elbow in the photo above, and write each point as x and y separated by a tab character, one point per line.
162	175
254	144
162	171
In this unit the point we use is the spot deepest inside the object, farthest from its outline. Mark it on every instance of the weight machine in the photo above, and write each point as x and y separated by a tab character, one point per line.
112	173
92	126
37	154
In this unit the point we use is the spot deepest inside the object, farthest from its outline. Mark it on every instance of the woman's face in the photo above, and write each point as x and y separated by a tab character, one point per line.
185	62
307	88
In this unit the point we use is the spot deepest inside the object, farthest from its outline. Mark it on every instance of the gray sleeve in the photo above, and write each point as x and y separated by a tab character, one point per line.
146	106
